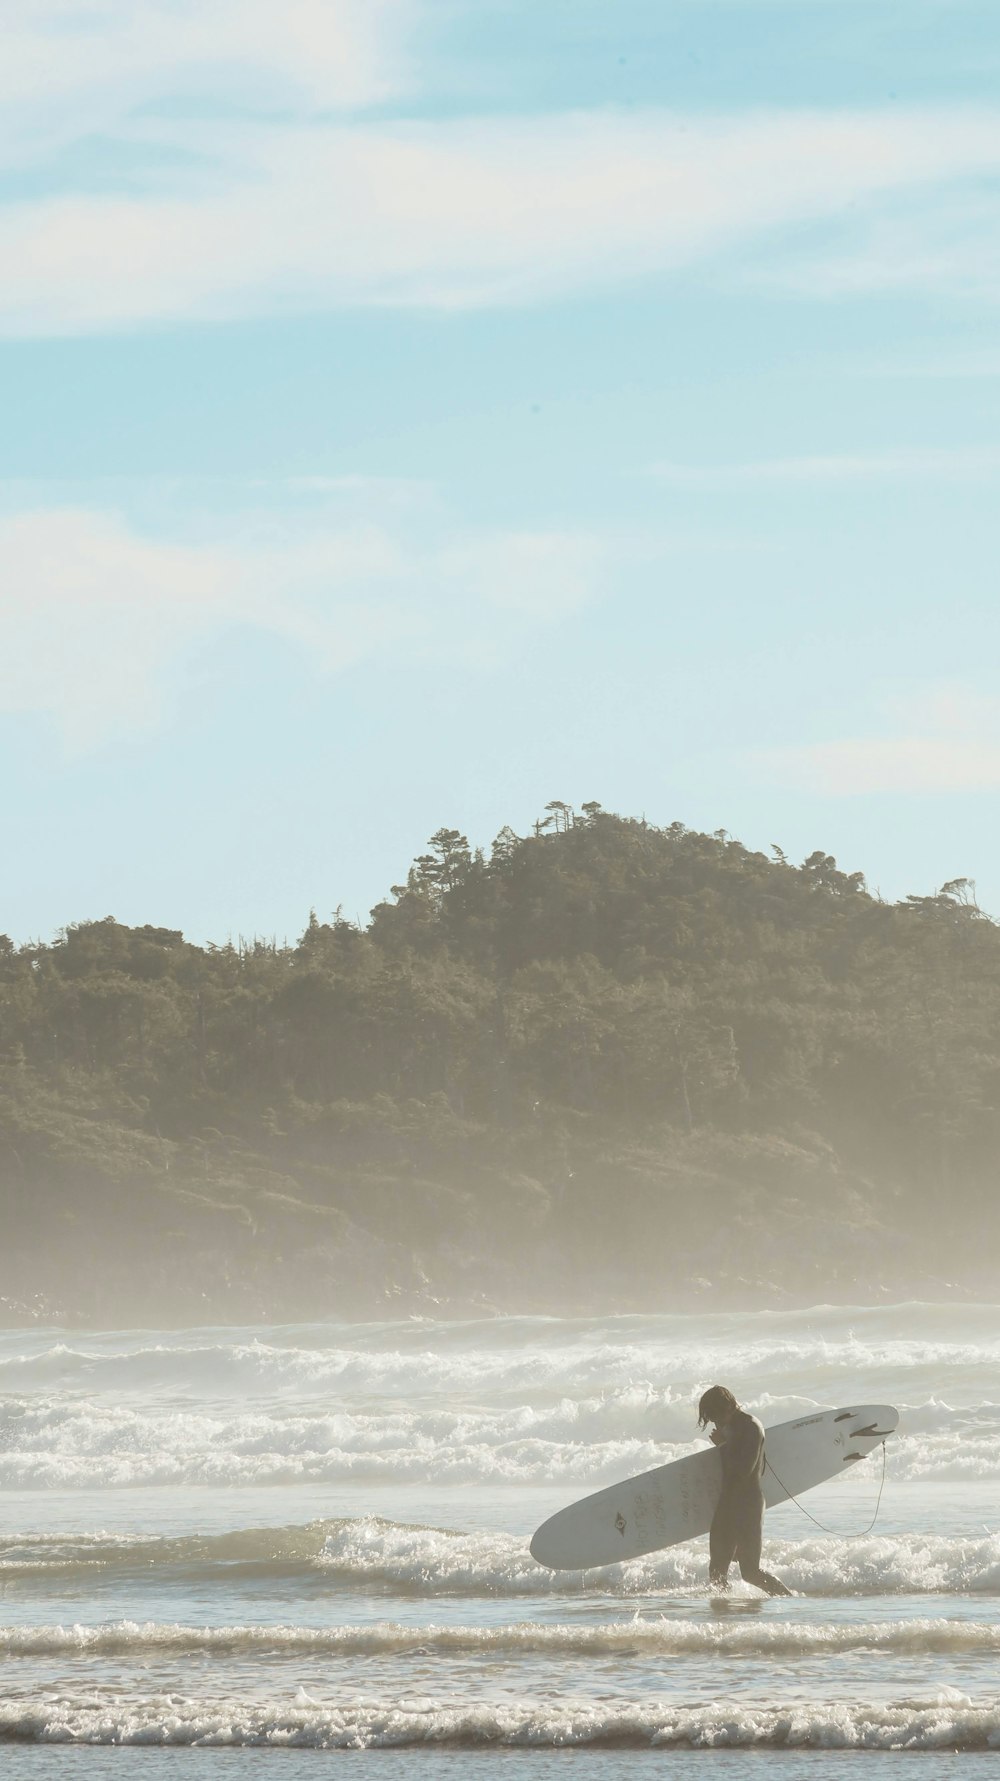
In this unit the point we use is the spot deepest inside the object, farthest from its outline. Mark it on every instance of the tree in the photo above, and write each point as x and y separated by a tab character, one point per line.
446	864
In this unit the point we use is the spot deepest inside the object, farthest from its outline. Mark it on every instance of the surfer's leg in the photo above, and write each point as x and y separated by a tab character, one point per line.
771	1585
721	1551
748	1556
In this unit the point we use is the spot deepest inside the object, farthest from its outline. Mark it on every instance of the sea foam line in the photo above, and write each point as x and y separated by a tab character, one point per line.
368	1552
523	1355
429	1562
69	1441
948	1721
653	1637
283	1457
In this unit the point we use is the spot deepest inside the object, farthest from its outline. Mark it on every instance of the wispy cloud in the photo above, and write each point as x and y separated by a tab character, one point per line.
72	66
935	464
96	614
947	740
947	242
247	215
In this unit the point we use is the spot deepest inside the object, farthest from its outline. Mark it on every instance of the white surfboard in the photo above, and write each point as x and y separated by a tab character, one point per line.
677	1502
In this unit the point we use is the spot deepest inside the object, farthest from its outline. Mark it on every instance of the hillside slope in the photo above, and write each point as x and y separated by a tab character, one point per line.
609	1065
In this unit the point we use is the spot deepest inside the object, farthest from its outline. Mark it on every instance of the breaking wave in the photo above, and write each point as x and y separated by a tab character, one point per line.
370	1554
82	1443
521	1354
524	1401
428	1562
946	1720
632	1637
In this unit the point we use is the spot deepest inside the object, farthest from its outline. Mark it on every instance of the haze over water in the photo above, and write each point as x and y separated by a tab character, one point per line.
316	1536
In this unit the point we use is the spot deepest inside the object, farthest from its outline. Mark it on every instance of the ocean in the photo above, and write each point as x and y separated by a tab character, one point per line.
295	1539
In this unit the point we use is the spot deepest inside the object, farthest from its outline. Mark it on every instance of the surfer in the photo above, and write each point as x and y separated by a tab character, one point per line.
737	1524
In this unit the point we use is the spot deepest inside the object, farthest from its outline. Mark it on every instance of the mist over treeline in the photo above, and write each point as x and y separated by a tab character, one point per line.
605	1065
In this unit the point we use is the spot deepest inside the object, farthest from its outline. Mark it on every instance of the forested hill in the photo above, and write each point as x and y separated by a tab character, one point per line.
609	1065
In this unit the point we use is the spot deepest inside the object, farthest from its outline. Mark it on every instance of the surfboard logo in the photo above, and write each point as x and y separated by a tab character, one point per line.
620	1523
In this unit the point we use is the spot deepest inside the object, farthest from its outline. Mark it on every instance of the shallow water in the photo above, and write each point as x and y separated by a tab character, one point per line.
316	1536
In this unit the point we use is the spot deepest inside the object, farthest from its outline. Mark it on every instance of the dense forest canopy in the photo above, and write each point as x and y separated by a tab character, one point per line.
607	1062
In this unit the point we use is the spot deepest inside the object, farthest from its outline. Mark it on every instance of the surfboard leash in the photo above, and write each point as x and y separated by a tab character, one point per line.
792	1498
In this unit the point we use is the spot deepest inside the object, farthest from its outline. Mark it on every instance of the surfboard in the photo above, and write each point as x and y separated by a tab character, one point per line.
676	1502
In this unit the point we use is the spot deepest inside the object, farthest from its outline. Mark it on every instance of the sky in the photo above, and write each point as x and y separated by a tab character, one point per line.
412	411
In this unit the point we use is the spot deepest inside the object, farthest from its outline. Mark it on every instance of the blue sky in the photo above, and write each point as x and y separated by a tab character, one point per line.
413	412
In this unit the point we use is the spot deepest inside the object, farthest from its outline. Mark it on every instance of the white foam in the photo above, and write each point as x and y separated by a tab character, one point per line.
370	1553
946	1720
428	1561
652	1636
510	1400
527	1356
79	1443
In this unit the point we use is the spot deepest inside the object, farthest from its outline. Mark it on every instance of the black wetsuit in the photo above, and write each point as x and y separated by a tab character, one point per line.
738	1520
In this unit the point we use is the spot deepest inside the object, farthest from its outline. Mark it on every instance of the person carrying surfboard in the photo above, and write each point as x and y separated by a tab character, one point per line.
737	1525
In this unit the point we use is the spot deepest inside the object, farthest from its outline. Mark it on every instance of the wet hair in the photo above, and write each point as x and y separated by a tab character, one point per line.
717	1401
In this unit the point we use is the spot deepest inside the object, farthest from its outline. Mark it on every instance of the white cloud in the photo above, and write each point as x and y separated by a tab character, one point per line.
948	740
907	463
869	764
264	217
94	614
70	67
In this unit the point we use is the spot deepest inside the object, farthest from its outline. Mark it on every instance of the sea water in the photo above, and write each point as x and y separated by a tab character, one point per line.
285	1540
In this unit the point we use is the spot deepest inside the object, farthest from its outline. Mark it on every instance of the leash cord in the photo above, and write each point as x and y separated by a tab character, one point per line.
792	1498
